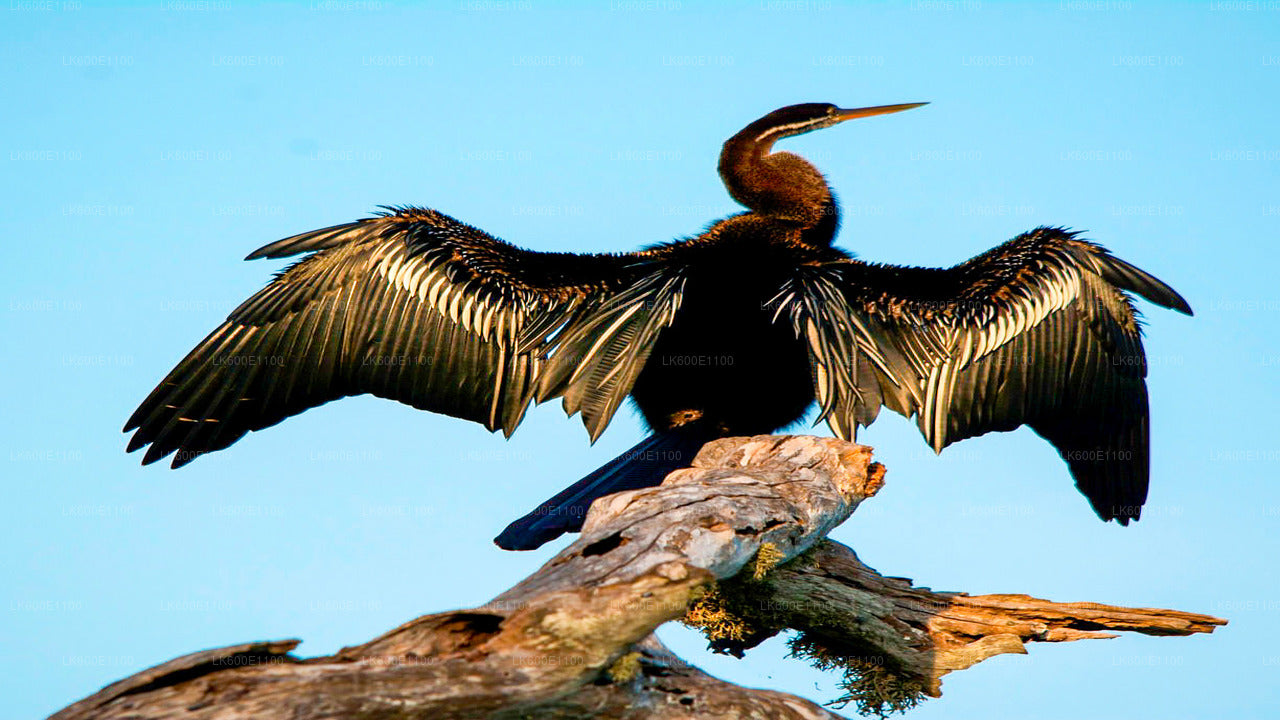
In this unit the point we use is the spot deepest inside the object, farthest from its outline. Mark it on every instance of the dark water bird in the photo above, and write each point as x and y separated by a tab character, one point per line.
736	331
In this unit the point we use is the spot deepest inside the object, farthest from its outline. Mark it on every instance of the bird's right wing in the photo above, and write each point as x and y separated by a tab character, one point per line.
1038	331
417	307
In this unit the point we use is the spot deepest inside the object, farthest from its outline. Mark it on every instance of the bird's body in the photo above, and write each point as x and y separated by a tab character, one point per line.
736	331
725	359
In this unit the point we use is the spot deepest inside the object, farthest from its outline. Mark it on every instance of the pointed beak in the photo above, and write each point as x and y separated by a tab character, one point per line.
842	114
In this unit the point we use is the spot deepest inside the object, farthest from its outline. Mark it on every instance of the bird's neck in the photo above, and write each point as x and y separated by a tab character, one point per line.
780	185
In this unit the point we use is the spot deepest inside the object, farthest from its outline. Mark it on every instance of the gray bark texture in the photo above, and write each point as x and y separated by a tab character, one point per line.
734	545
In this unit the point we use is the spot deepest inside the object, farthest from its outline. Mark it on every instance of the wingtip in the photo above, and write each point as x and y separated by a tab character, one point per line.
1174	301
136	419
155	453
1130	277
182	458
135	443
1125	519
1115	512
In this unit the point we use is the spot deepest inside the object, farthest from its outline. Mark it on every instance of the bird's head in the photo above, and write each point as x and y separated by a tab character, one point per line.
807	117
784	185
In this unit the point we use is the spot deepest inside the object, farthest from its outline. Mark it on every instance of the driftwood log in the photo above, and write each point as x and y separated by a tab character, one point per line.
734	545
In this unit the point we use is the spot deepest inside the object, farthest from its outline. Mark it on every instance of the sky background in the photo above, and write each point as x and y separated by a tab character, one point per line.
147	149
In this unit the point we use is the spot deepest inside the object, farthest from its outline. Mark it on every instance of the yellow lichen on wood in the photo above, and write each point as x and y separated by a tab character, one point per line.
767	558
625	667
708	613
711	610
871	681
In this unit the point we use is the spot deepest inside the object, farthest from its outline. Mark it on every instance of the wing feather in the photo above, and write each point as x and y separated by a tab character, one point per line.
417	307
1038	332
600	354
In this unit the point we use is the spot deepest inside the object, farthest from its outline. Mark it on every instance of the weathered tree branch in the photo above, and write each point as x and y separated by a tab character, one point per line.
734	545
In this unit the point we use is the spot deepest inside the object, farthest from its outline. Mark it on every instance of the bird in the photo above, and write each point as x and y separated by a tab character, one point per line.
739	330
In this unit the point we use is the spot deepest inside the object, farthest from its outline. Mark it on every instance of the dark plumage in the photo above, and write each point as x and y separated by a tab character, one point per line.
736	331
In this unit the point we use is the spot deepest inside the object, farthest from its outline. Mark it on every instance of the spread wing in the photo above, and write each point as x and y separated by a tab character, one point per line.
1039	331
415	306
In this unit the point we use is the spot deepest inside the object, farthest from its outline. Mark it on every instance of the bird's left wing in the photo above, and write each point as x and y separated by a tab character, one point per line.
1038	331
415	306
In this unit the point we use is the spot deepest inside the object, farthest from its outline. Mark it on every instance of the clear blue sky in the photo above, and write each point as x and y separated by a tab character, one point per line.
147	149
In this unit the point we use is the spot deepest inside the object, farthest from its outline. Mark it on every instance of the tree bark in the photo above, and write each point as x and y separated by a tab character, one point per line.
734	545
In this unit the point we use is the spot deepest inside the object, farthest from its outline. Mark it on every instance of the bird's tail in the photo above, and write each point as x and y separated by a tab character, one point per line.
644	465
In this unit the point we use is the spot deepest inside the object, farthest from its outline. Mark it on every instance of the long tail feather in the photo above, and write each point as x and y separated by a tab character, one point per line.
644	465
